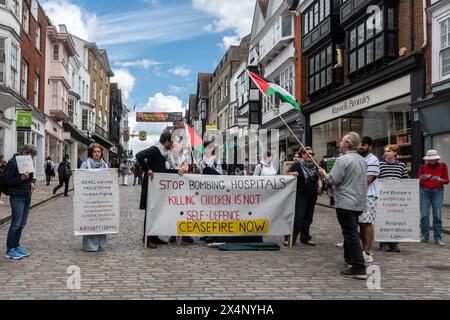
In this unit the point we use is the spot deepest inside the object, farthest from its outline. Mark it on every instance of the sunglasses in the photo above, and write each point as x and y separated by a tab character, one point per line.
310	153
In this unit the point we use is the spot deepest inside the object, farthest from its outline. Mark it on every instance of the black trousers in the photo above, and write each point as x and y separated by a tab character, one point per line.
348	220
48	177
304	212
66	185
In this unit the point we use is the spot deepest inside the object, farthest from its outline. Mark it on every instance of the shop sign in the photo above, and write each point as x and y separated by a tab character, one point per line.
159	116
362	101
37	127
24	120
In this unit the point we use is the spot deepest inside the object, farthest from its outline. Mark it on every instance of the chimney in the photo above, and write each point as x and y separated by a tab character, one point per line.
62	28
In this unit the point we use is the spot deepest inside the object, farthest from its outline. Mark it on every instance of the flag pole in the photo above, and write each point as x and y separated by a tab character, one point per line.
289	128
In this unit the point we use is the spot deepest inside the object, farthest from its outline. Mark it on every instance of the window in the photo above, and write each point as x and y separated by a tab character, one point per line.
71	109
38	37
95	91
286	26
16	8
372	40
317	12
320	72
254	112
2	60
56	52
286	79
3	3
101	97
36	91
85	120
26	19
54	94
14	66
24	79
65	59
445	47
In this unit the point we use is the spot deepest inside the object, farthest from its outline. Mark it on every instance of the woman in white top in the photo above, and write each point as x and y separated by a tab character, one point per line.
266	167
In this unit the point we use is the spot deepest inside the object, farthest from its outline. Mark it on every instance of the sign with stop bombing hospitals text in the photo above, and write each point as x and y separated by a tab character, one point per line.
199	205
398	211
96	202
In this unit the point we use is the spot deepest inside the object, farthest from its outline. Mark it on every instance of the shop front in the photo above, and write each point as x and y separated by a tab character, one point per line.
54	141
383	113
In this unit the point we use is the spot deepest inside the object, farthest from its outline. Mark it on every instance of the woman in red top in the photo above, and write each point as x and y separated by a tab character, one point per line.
433	176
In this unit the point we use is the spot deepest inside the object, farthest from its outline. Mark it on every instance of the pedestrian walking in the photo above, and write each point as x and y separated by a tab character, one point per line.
124	172
367	219
153	160
433	176
309	185
94	243
349	178
137	174
64	174
49	171
391	168
19	187
2	175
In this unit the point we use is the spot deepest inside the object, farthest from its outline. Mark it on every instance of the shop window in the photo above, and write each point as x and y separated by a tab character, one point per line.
320	72
372	40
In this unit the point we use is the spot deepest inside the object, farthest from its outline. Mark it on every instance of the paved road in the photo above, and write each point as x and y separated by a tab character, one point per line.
128	271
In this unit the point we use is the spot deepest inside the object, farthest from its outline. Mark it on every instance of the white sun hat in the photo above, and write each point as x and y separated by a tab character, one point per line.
432	155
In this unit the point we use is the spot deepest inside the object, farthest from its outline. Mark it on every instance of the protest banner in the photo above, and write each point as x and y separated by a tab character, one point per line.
24	164
198	205
96	202
398	211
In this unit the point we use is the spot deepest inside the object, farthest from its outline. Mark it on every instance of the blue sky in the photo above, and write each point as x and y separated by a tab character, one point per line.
156	47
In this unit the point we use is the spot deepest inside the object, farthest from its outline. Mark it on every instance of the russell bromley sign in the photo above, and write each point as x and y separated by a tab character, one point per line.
351	104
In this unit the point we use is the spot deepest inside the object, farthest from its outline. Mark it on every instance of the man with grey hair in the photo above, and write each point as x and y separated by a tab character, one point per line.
19	187
349	180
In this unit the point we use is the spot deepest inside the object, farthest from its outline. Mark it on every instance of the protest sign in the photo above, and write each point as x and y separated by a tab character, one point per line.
199	205
398	211
24	164
96	202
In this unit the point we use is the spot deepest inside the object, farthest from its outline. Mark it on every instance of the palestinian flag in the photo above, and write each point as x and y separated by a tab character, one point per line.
268	87
196	141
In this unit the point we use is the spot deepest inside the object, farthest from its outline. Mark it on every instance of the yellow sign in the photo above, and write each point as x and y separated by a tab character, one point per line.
143	135
211	128
243	227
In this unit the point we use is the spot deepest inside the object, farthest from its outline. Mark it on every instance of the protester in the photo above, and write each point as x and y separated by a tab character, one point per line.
433	176
209	164
309	186
266	167
64	174
246	167
137	174
19	187
124	172
367	219
349	178
175	158
296	157
153	160
2	173
94	243
391	168
49	172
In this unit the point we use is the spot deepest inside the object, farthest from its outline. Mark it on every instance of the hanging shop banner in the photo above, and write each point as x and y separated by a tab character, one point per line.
159	116
398	211
24	121
198	205
96	202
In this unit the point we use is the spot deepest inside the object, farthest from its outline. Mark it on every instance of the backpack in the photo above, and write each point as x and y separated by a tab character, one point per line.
48	166
64	170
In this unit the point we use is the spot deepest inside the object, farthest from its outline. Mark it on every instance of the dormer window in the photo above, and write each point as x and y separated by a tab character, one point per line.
315	14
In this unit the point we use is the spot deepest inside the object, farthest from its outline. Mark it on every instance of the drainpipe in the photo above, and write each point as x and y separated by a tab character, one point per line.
413	34
425	25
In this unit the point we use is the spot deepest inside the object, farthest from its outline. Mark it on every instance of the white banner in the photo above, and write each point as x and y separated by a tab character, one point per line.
96	202
398	211
198	205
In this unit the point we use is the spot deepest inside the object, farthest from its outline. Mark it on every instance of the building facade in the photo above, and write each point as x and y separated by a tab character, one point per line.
116	113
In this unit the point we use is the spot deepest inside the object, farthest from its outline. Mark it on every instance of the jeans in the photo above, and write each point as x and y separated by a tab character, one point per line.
352	245
139	180
48	177
20	208
66	186
431	198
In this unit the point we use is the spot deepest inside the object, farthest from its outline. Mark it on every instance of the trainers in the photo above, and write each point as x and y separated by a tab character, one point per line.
355	274
368	257
394	249
14	255
340	245
423	240
384	247
25	253
440	243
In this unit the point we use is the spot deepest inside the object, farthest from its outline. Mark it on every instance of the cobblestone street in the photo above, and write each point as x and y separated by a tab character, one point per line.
128	271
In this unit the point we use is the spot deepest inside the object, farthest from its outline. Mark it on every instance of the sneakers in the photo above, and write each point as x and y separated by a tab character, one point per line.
14	255
355	274
25	253
384	247
340	245
368	257
440	243
423	240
